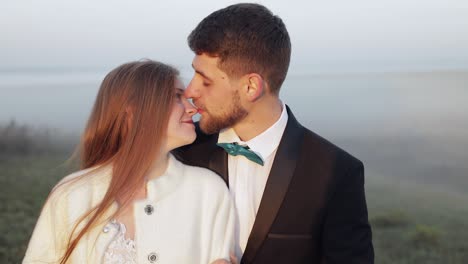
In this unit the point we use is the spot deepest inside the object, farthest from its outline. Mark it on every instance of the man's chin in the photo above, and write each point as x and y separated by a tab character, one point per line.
208	127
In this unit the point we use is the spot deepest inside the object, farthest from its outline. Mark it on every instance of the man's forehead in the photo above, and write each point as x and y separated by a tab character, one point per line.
205	61
207	66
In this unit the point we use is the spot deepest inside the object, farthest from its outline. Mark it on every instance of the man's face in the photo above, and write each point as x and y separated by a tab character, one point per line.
217	97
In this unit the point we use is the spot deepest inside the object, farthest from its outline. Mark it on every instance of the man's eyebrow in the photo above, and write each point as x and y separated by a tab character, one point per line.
201	73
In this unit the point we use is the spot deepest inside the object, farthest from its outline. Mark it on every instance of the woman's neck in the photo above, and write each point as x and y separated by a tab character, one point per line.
159	166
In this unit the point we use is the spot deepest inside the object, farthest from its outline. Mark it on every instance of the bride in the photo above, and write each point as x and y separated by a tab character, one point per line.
132	201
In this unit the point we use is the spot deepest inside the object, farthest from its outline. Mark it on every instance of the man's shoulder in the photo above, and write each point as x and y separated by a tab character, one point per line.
319	146
316	146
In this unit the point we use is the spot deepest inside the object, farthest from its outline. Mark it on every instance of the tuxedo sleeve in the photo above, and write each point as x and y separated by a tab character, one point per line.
347	236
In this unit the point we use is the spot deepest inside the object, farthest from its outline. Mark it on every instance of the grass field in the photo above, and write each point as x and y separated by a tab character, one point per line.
417	223
412	223
24	185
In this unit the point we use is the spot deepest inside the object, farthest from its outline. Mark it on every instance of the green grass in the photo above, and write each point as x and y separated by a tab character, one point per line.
25	183
412	223
417	223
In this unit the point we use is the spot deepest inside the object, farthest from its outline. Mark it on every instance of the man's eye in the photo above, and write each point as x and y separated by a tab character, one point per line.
205	84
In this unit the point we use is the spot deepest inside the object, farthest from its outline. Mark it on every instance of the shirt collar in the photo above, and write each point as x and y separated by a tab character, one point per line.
264	143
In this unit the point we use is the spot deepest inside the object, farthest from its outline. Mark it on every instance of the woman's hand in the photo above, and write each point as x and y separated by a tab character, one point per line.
233	259
221	261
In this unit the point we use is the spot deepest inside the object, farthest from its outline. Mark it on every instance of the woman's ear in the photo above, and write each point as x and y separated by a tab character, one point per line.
255	87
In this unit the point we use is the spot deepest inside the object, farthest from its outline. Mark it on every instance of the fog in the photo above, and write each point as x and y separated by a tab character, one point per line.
386	80
361	35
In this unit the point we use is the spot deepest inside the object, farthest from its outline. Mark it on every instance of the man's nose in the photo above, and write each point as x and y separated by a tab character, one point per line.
191	91
189	108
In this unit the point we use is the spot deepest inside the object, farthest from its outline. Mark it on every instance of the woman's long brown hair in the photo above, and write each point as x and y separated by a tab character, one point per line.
126	128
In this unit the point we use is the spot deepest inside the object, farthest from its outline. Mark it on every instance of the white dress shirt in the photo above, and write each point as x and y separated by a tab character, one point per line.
247	179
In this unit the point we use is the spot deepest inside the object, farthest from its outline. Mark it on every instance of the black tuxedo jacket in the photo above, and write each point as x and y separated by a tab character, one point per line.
313	209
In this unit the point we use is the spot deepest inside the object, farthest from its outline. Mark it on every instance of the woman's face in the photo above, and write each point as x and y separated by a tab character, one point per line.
181	130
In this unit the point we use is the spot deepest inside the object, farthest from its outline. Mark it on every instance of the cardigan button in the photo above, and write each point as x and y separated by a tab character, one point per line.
149	209
106	229
152	257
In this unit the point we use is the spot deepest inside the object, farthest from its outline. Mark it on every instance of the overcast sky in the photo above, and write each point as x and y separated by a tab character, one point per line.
326	35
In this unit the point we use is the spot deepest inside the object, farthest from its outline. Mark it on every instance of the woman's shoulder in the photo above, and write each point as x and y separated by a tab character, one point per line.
81	181
203	177
208	186
204	174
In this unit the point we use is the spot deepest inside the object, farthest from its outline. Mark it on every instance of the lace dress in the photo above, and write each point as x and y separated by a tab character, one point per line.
120	250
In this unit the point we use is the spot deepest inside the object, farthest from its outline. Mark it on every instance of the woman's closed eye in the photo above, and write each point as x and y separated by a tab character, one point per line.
179	96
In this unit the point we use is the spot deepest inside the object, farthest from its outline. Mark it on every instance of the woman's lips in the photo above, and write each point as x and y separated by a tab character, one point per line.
188	121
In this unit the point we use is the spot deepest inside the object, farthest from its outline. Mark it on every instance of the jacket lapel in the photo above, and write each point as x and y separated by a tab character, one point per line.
276	187
219	163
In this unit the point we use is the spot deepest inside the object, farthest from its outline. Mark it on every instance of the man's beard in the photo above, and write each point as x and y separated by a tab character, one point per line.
236	113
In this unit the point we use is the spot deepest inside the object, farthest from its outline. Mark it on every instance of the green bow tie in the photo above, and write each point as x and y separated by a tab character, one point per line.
235	149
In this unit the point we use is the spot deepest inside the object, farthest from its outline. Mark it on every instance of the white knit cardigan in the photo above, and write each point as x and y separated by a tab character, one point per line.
187	217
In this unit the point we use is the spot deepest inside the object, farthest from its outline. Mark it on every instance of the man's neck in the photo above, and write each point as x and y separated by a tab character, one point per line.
259	119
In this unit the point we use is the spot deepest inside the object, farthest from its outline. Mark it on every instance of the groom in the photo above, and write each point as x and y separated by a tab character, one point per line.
299	198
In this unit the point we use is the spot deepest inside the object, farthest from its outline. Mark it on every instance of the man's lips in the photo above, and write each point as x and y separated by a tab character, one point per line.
198	106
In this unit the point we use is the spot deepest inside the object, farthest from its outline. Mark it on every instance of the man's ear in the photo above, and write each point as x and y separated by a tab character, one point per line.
255	87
